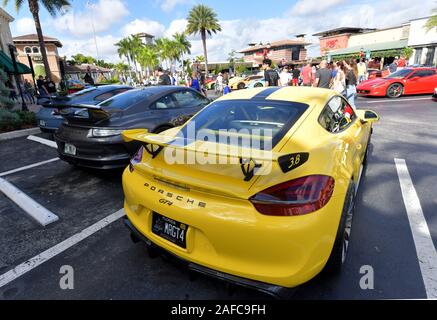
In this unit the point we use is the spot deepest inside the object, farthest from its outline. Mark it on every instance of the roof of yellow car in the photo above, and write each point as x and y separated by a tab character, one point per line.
308	95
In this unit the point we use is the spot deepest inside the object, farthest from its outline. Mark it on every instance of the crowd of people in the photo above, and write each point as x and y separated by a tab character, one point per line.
341	76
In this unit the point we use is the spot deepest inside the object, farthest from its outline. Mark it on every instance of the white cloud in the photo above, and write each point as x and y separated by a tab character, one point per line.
176	26
236	34
104	14
105	44
24	26
144	25
168	5
309	7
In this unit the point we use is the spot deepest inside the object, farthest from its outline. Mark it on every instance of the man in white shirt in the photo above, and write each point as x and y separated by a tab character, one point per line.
285	77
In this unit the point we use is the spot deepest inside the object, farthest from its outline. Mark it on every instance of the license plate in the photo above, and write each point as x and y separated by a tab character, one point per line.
70	149
169	229
42	123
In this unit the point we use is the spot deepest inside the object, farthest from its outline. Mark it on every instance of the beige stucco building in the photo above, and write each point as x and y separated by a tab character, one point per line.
423	41
29	45
5	31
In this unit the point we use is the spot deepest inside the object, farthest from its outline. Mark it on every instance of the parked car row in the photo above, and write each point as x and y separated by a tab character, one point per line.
217	217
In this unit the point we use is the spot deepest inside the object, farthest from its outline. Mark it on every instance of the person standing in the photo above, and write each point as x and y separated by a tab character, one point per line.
194	82
296	73
306	75
50	85
322	76
339	83
393	67
402	63
351	82
28	91
219	83
362	71
163	78
271	76
42	90
285	77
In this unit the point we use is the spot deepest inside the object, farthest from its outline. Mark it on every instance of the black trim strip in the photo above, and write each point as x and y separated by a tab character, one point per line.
265	93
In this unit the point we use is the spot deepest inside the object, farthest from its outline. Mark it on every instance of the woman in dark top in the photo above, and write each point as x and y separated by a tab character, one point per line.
351	81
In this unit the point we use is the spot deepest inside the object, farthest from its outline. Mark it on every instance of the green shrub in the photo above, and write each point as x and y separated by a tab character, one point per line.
9	120
27	117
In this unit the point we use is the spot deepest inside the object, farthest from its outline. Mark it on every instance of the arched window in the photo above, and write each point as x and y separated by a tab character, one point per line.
35	50
27	50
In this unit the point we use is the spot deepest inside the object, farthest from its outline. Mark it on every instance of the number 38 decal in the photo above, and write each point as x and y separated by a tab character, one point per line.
289	162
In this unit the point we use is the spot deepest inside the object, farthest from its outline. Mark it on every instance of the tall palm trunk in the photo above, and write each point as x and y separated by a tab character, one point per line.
33	5
203	33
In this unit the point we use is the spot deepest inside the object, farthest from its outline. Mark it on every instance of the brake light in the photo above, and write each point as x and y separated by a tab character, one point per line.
296	197
136	158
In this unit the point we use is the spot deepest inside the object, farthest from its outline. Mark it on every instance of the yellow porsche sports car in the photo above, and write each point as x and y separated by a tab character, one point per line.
241	83
266	200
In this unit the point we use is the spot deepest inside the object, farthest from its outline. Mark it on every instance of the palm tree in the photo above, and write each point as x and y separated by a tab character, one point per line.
53	7
432	21
166	50
148	58
202	19
135	45
125	51
183	46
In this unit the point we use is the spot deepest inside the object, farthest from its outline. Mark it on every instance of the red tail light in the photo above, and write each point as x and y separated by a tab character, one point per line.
296	197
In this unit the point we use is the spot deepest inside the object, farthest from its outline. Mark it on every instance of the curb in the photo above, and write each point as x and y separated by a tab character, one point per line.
18	133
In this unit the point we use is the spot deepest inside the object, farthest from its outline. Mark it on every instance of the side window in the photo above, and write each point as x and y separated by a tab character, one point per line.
423	73
337	115
104	96
166	102
189	99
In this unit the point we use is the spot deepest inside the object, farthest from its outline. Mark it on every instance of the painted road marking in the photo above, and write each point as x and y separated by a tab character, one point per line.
2	174
34	262
393	100
425	249
47	142
30	206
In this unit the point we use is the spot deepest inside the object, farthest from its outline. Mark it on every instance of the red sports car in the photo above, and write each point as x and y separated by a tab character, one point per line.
402	82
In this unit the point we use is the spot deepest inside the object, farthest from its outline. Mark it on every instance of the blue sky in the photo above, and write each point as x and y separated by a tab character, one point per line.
242	21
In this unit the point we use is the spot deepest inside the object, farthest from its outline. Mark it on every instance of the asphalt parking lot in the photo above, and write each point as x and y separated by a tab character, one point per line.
387	233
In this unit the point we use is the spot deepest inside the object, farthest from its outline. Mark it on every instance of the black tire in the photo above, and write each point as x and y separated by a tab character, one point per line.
342	240
241	86
161	129
395	90
258	85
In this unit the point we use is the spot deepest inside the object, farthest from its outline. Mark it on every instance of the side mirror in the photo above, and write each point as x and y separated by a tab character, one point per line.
368	116
414	78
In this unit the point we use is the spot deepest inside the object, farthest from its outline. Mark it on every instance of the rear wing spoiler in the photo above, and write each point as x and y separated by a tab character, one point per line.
249	161
95	113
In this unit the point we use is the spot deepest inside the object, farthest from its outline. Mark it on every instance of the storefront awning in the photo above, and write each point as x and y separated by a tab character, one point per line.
374	47
7	65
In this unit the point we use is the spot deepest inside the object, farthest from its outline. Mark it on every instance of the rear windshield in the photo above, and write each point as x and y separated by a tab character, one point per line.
265	121
400	73
126	99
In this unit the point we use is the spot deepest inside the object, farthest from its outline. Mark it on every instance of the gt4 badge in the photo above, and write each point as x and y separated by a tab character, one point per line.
248	167
291	161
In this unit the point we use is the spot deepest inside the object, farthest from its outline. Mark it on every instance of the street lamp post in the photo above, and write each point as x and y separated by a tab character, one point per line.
13	51
91	6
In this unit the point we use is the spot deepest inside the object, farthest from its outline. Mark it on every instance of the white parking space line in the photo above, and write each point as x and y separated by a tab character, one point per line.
426	252
5	173
393	100
30	206
47	142
34	262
